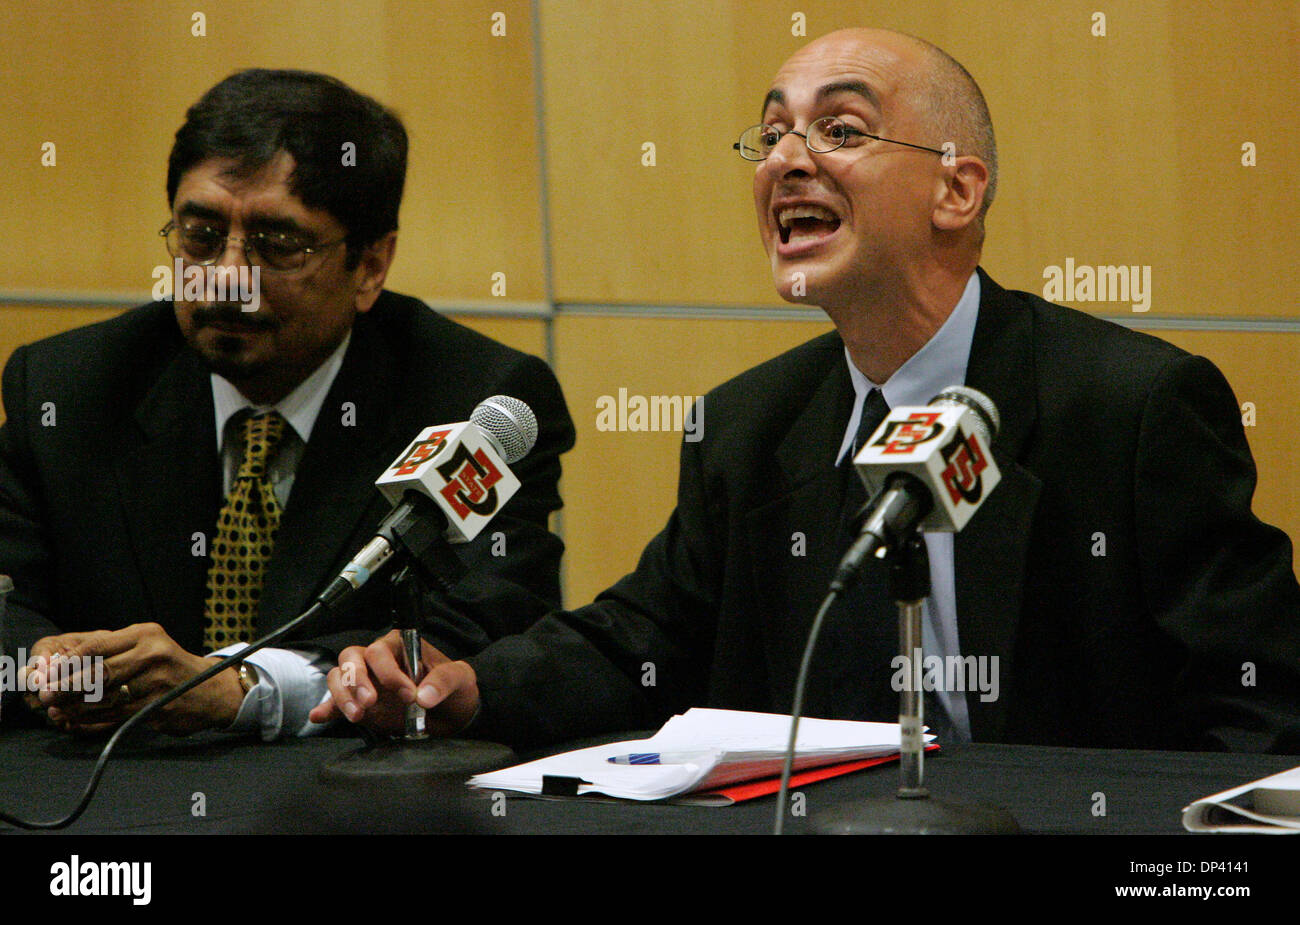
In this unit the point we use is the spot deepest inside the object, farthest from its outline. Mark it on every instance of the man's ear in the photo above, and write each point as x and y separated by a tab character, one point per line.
373	270
960	195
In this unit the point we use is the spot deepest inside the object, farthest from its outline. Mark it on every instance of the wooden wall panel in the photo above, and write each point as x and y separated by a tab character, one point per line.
1122	149
109	85
620	486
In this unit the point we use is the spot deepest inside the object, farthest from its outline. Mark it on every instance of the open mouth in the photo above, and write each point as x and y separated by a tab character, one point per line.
804	224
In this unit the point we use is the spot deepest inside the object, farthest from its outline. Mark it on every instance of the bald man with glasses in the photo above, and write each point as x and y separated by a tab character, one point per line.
875	168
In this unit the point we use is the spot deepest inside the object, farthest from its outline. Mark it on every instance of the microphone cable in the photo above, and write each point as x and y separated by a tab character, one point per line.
797	707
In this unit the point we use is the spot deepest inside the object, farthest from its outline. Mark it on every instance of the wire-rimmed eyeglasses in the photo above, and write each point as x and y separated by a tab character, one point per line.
275	252
823	136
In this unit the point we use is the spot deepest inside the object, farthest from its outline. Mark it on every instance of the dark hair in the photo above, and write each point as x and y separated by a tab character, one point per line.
253	115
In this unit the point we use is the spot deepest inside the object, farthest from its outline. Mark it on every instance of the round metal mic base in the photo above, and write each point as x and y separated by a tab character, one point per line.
406	759
913	814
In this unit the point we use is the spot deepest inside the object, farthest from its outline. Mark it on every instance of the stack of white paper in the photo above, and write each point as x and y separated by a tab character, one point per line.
699	750
1268	806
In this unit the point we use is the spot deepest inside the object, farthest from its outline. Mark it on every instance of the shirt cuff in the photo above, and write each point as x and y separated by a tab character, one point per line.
290	684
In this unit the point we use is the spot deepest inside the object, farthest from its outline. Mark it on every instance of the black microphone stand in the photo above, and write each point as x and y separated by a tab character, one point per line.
416	755
912	811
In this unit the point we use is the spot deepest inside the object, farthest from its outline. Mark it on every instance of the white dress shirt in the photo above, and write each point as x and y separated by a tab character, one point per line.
290	682
937	365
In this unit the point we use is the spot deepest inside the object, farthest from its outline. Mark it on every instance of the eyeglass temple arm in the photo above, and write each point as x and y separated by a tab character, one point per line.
905	144
736	145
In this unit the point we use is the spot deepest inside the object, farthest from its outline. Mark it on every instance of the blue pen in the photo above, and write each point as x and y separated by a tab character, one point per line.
659	758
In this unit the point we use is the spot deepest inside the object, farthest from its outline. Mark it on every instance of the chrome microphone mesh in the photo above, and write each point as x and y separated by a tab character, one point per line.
509	423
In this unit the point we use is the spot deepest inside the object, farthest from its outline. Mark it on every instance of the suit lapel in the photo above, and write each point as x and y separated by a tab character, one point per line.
807	505
178	454
330	506
990	553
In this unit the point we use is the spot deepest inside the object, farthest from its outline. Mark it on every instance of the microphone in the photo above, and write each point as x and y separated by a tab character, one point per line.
446	486
930	468
925	468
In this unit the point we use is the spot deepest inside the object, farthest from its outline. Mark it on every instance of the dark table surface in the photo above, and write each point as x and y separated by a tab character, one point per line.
242	787
219	784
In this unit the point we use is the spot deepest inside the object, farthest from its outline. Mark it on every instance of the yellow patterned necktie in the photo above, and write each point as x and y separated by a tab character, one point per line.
245	537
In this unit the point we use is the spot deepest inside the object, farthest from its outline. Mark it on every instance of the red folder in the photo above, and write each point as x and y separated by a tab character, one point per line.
760	788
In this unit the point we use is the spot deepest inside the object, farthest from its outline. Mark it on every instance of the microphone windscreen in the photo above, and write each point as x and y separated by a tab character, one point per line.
509	423
987	420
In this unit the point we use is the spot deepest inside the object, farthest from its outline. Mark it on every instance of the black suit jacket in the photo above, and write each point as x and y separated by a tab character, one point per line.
109	473
1111	441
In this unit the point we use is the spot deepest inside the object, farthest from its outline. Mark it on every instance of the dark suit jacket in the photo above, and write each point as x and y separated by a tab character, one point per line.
109	470
1104	432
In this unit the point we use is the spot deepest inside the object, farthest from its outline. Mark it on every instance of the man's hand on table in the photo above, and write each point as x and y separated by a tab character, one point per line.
140	664
370	687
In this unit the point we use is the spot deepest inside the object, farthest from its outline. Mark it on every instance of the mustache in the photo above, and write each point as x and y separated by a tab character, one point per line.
229	314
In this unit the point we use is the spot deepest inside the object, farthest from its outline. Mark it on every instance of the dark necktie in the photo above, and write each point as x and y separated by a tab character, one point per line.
246	530
874	410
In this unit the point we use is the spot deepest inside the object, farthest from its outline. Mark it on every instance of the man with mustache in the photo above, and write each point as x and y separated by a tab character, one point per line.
1182	634
211	464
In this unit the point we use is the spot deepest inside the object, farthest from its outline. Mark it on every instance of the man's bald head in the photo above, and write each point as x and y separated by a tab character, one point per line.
954	105
844	227
944	94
